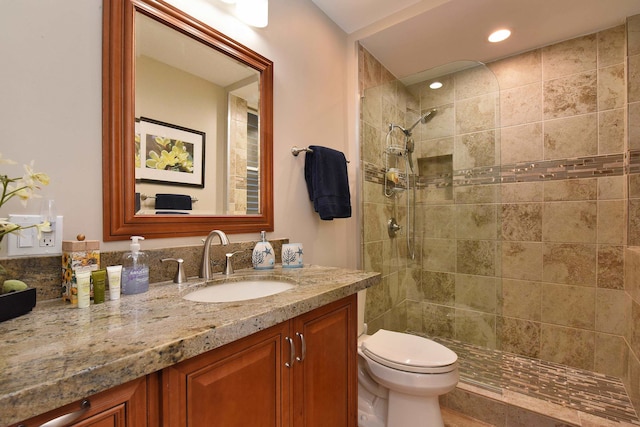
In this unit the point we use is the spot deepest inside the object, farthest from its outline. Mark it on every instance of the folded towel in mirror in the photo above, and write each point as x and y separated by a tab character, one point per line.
173	201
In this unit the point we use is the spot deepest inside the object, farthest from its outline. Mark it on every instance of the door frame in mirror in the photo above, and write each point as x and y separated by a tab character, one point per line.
118	122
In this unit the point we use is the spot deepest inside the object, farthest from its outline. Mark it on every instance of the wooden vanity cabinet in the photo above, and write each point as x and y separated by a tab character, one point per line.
298	373
301	372
122	406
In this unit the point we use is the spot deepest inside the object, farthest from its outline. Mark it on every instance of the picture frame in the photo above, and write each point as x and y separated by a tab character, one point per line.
169	154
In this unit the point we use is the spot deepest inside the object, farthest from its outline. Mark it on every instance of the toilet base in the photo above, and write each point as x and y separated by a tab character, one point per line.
416	411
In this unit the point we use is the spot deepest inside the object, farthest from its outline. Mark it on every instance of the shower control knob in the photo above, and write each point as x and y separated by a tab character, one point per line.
393	227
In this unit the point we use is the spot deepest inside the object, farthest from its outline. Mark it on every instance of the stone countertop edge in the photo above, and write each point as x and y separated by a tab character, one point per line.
58	354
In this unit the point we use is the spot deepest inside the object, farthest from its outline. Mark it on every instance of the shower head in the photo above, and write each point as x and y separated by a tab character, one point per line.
426	117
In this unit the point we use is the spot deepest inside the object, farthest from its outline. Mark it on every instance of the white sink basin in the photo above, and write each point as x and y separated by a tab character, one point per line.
238	291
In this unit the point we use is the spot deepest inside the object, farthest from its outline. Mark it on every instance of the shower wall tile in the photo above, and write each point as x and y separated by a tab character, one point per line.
476	257
373	256
574	136
612	187
569	57
374	228
441	222
430	98
572	306
443	127
372	147
521	105
518	336
434	148
569	346
521	299
438	320
474	82
633	380
634	222
613	308
569	263
610	267
370	69
438	287
634	328
571	190
475	114
611	87
634	123
519	70
634	79
521	192
633	35
372	106
522	260
476	194
611	356
570	95
611	221
611	131
474	149
476	328
476	293
477	221
612	46
522	221
439	255
632	272
414	316
522	143
570	222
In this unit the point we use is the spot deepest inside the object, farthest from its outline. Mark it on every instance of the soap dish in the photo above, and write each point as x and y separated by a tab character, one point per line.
17	303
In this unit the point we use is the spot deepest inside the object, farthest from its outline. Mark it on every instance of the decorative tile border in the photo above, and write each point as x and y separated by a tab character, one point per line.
547	170
589	392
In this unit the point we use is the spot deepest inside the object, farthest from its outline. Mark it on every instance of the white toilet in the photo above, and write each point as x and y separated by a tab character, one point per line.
400	377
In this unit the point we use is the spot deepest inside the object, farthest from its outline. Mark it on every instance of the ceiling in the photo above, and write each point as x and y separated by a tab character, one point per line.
411	36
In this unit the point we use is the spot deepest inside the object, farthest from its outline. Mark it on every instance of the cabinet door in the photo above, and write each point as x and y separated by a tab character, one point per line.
121	406
237	385
325	379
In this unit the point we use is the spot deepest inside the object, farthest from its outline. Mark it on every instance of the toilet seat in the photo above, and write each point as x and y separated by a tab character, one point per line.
409	353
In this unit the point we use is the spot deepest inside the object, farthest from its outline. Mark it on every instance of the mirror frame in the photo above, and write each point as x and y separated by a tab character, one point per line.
118	97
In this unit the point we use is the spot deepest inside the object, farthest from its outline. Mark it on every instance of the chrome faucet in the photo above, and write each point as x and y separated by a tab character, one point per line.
205	269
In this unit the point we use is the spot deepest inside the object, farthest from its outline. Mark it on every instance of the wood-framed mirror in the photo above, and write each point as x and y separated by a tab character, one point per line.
128	189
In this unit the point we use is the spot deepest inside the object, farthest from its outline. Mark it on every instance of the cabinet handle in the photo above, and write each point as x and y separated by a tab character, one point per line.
66	419
303	348
292	356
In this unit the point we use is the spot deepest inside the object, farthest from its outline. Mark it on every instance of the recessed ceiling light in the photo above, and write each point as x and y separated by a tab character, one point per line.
435	85
500	35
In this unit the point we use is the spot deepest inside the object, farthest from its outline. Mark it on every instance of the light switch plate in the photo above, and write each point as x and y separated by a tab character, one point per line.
26	242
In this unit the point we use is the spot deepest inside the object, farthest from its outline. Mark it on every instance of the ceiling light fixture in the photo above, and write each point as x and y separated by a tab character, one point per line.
435	85
500	35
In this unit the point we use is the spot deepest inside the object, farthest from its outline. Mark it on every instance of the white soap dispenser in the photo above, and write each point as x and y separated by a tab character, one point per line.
135	269
263	257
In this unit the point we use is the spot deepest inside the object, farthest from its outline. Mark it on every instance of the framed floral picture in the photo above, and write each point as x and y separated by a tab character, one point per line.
169	154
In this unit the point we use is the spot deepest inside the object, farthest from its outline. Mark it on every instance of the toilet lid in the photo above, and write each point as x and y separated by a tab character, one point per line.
407	352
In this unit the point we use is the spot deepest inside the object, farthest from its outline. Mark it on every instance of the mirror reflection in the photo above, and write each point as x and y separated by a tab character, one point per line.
197	126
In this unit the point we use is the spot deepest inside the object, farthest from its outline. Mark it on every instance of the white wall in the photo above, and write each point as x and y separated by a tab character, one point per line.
50	111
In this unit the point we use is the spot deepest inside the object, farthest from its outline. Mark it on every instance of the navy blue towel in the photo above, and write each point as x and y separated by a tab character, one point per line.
325	171
173	201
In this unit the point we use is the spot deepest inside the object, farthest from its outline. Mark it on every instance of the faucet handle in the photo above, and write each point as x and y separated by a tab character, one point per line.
228	265
180	276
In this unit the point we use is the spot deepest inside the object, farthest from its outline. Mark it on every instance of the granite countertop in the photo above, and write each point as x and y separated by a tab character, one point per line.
58	354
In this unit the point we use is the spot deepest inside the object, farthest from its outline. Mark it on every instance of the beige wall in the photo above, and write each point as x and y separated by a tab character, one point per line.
51	110
523	248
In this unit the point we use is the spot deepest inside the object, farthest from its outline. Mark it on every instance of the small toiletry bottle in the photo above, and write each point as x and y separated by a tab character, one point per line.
263	257
99	279
83	280
135	269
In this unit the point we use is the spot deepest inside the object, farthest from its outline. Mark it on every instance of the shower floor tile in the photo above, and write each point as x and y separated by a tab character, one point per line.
588	392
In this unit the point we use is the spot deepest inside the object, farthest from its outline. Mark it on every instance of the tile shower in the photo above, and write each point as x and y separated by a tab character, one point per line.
527	204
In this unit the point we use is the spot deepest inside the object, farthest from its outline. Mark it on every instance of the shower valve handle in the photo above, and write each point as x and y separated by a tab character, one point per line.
393	227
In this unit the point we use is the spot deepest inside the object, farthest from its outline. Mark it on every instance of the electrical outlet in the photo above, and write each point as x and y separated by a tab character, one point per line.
26	242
